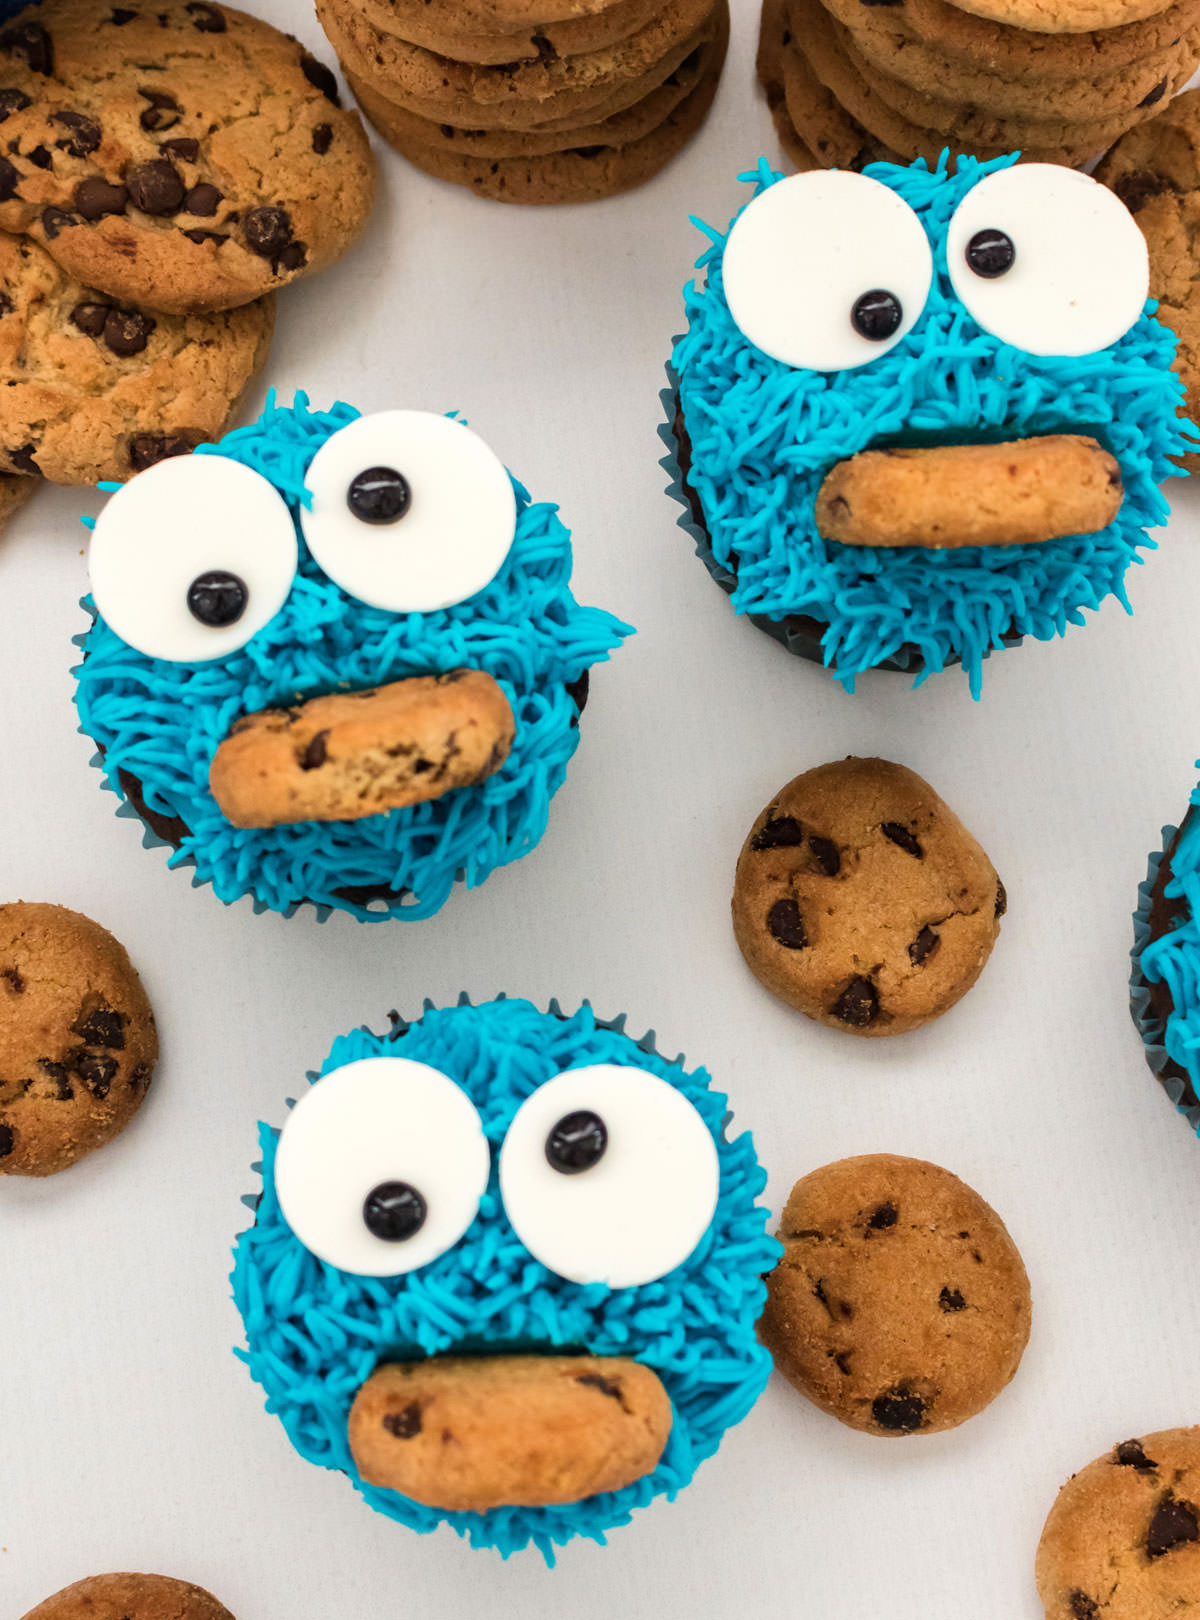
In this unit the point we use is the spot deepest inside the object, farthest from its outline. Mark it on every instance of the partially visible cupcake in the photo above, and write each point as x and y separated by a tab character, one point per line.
920	414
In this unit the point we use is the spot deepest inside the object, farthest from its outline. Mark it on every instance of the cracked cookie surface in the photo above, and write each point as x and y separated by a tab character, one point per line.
863	901
94	388
183	157
1122	1541
77	1038
901	1305
130	1597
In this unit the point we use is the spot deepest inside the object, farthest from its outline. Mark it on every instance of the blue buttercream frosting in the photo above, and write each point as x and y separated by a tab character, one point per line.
765	434
162	722
1173	960
314	1334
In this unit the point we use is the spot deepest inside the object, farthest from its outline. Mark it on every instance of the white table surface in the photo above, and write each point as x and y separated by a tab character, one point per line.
130	1437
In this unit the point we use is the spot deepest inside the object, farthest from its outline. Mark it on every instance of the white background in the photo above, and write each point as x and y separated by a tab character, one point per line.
130	1437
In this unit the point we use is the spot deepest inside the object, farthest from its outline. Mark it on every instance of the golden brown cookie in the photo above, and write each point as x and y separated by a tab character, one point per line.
1122	1541
180	155
1155	170
480	1432
355	754
814	128
441	27
130	1597
942	496
14	492
1062	16
863	901
92	388
77	1038
901	1305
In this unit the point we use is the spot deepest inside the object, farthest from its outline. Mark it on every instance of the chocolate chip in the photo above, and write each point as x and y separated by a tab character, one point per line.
606	1386
13	975
100	1026
951	1300
545	48
155	187
321	78
8	180
883	1217
95	198
825	853
842	1358
858	1004
140	1075
22	459
95	1069
1001	898
202	200
7	1141
64	1091
207	19
900	1410
293	257
1129	1454
923	947
90	318
1135	190
56	220
901	836
182	147
40	157
1082	1606
787	925
1155	95
779	832
127	331
164	112
268	231
207	236
145	449
1174	1524
120	16
31	41
83	133
316	753
12	101
322	139
404	1424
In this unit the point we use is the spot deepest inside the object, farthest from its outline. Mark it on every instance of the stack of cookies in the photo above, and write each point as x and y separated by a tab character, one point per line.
165	169
854	81
533	101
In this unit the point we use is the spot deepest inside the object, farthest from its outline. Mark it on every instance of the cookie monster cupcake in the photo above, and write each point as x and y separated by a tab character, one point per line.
504	1272
920	414
1165	981
355	674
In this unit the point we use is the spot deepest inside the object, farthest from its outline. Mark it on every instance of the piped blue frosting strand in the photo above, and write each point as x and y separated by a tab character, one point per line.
765	434
1173	960
163	722
315	1334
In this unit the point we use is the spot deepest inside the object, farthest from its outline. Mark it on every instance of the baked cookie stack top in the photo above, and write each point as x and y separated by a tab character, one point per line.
533	101
854	81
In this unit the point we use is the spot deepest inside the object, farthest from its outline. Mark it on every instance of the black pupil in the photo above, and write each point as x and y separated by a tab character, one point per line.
217	598
990	253
379	495
394	1211
876	315
577	1142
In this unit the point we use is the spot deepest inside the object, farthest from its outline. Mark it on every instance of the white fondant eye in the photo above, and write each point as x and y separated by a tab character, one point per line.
410	512
1048	260
608	1174
827	270
381	1166
192	557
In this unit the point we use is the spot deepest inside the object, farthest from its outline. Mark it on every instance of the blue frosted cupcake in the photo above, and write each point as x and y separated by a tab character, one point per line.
1165	981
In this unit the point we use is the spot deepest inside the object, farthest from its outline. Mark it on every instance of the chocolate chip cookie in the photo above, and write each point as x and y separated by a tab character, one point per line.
901	1305
93	388
1122	1541
130	1597
863	901
447	29
180	156
77	1038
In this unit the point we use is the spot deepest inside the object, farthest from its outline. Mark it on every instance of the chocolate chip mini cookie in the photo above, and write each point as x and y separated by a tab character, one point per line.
77	1038
130	1597
180	156
94	388
901	1305
1122	1541
863	901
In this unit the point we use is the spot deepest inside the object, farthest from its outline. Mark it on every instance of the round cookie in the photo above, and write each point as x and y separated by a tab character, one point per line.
130	1597
93	389
861	899
814	128
182	156
445	31
1122	1541
1062	16
901	1305
77	1038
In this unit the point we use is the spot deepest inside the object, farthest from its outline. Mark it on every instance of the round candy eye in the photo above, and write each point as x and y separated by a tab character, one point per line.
609	1175
1048	260
381	1166
410	511
827	270
192	557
